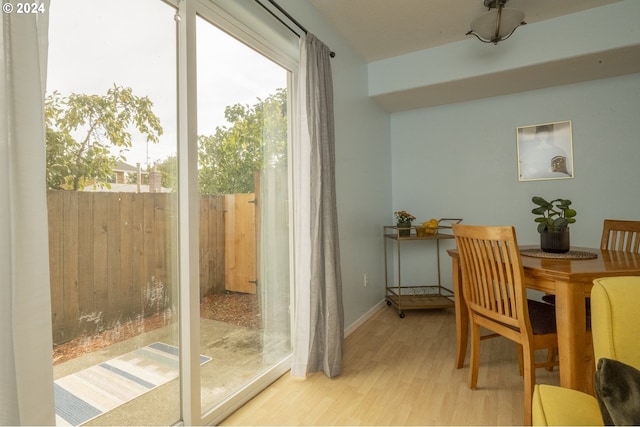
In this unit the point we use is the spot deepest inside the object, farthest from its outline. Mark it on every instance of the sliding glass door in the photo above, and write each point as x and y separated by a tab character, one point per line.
169	302
112	204
243	183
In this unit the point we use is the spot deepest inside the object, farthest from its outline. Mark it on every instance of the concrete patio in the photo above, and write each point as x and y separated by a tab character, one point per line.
236	358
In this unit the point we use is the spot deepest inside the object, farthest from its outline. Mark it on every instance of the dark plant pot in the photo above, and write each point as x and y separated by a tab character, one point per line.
404	229
555	242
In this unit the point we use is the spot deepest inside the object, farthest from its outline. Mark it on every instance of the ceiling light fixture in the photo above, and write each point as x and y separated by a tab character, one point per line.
496	25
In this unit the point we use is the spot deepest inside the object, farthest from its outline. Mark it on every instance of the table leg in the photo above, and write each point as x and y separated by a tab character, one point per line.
572	336
462	314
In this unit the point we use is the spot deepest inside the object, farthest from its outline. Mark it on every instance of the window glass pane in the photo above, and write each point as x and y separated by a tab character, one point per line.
244	233
111	147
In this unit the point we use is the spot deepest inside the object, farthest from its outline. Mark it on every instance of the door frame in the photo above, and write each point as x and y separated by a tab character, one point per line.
275	43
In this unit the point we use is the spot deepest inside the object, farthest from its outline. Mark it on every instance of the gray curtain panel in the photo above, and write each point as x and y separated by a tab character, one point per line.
327	315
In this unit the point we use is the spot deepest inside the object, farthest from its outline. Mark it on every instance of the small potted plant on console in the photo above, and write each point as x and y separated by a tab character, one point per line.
403	222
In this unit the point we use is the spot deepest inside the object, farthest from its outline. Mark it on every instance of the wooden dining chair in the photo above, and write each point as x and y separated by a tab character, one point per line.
620	235
493	288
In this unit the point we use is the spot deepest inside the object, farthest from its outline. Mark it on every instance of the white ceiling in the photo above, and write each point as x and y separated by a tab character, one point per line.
379	29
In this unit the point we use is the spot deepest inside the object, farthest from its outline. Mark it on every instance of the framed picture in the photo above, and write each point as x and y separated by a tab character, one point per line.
545	151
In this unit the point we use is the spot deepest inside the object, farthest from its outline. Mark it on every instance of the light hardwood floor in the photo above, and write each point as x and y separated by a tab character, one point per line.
400	372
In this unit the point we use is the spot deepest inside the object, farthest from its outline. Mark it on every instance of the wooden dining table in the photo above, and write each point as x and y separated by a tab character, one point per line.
570	280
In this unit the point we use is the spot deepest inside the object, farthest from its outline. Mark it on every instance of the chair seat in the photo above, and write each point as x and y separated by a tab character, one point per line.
551	300
556	406
543	317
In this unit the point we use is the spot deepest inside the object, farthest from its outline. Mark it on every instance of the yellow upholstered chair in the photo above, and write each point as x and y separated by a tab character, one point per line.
493	287
615	325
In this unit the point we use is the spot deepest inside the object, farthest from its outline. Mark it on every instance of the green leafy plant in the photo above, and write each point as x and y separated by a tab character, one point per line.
553	216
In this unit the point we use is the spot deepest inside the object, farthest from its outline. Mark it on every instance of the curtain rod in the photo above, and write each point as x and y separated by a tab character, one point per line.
291	18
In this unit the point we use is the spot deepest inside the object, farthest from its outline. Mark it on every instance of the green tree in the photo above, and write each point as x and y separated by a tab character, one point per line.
82	129
169	170
255	138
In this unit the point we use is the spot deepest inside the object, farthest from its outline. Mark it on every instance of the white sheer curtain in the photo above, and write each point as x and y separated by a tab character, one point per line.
319	318
26	373
273	238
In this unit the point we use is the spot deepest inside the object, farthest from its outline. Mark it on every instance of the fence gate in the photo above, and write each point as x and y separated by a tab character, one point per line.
240	243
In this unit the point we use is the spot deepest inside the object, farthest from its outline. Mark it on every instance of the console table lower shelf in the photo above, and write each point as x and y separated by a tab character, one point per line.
419	298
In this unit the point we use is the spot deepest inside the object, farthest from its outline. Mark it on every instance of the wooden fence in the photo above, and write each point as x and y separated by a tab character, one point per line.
113	257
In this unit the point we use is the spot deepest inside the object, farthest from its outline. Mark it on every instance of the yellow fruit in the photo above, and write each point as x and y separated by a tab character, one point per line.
431	226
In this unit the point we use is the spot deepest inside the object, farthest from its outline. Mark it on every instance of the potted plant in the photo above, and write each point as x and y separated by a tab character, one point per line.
403	222
553	220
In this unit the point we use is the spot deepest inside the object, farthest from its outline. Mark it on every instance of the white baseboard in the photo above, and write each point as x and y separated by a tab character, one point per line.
368	315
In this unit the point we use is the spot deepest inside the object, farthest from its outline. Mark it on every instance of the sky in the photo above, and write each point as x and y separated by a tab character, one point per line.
96	43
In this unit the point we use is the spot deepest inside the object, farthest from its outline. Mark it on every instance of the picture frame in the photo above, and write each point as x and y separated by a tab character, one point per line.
545	151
